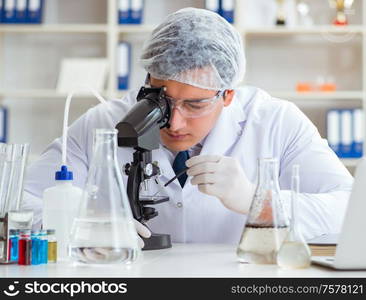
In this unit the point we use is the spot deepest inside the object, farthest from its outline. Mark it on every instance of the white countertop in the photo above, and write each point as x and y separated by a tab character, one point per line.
183	260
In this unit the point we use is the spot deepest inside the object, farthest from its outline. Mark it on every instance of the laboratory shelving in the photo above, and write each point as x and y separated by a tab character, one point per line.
339	95
298	30
53	28
43	94
113	32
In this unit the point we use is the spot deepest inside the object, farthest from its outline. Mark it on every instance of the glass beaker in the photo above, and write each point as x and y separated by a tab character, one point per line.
103	231
267	223
13	159
294	252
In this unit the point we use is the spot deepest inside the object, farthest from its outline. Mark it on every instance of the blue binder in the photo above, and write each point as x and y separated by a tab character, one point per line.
35	11
3	124
213	5
357	126
136	11
333	131
124	65
227	10
346	133
1	11
123	11
9	11
21	11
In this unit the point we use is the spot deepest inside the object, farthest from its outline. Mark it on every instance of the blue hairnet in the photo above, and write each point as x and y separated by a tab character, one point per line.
196	47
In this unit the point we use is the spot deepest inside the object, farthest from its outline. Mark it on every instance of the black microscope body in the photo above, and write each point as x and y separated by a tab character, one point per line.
139	129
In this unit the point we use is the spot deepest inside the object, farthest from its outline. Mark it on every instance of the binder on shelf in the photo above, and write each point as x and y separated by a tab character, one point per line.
9	12
227	10
357	126
35	11
136	11
124	65
213	5
346	133
333	130
3	124
21	11
1	11
123	11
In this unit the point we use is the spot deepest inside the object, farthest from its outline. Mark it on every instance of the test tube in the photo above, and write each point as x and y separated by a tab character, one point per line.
13	245
25	247
35	247
43	247
52	245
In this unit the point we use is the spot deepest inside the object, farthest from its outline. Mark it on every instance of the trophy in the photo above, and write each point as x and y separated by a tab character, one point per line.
341	6
281	15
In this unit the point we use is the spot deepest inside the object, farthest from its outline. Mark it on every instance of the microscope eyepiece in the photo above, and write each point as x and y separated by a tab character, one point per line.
140	127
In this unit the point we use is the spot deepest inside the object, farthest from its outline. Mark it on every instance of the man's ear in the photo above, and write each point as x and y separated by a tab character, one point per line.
228	97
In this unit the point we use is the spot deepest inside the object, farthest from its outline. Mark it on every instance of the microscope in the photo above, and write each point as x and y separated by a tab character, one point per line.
139	129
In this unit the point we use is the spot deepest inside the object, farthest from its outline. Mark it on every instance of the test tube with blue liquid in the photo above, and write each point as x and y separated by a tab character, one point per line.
35	248
43	247
13	244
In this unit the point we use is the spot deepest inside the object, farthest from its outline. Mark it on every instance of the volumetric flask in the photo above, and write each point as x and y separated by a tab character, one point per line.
267	223
103	231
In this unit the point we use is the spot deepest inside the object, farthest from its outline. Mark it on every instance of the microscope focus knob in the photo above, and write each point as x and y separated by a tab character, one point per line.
127	168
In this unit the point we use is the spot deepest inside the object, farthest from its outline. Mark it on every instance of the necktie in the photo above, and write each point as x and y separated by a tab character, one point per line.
179	164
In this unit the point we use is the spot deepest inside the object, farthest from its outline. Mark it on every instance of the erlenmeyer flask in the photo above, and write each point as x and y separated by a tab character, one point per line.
294	252
267	223
103	232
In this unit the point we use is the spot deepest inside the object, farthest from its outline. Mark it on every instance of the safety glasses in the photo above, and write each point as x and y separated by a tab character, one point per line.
192	108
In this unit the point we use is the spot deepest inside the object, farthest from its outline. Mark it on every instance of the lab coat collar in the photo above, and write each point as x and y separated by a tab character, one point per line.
227	129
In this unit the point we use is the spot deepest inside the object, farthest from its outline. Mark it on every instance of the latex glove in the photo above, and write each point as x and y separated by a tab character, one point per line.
143	231
224	178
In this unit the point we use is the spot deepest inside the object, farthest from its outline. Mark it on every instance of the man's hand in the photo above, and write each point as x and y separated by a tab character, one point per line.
224	178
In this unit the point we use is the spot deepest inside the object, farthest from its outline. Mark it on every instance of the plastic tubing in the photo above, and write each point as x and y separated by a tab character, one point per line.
66	115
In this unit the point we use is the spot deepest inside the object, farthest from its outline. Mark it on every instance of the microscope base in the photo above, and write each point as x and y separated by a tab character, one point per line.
157	241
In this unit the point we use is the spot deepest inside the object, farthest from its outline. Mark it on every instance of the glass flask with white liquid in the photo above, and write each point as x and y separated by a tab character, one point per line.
103	231
294	252
267	223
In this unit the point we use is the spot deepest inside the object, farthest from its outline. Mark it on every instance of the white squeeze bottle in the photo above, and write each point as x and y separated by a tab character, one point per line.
60	206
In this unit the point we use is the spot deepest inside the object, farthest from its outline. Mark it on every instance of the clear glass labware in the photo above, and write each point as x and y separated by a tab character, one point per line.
267	223
294	252
103	232
13	160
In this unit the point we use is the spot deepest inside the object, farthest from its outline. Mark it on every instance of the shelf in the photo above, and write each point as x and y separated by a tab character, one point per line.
351	29
350	162
41	94
133	28
137	28
54	28
341	95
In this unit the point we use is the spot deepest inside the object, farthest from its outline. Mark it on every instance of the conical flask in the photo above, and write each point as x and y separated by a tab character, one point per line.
267	223
103	231
294	252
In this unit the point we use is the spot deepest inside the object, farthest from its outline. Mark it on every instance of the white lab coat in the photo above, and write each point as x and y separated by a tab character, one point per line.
254	126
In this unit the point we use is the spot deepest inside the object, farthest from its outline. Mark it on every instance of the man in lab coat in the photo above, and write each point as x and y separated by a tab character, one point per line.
217	130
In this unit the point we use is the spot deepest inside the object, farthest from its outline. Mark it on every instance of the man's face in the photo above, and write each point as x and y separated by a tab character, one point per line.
186	132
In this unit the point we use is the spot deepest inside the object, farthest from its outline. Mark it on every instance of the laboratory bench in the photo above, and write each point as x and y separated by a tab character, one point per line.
182	260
